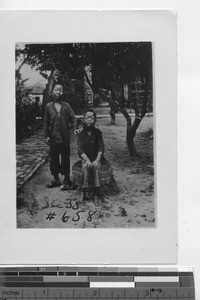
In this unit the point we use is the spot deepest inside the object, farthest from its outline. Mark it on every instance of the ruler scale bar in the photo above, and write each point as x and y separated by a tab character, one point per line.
87	273
157	284
9	273
106	298
45	284
20	278
109	283
112	284
110	278
67	273
103	293
65	279
156	279
38	273
96	269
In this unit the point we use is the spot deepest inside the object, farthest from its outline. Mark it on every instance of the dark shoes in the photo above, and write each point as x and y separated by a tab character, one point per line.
53	184
67	184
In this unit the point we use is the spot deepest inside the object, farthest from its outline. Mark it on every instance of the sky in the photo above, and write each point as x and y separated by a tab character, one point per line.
29	73
33	75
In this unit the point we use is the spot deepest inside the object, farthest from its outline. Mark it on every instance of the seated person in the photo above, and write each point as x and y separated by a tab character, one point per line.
93	170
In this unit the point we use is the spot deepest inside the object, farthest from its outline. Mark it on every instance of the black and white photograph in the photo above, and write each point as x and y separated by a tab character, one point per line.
88	137
85	135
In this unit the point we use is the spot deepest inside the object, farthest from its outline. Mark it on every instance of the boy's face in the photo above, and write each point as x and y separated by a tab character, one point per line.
89	118
57	91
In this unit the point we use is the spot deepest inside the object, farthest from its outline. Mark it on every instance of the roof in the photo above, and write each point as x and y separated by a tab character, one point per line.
38	87
37	90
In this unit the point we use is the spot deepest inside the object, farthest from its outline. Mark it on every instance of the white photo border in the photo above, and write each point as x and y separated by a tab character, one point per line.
93	246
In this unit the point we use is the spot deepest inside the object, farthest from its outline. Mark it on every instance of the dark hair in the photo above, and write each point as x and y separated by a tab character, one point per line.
57	83
90	110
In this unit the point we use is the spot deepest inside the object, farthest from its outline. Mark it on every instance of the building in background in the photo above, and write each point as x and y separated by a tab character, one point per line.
36	93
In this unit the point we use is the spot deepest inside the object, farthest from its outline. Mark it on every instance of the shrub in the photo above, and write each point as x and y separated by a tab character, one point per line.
27	111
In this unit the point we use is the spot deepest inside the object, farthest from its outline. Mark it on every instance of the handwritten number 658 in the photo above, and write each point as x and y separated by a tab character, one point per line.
65	218
78	217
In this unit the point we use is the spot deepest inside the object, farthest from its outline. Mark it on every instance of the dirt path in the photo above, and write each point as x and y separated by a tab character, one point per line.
132	207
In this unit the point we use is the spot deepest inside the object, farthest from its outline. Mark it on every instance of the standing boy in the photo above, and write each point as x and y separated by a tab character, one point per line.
59	118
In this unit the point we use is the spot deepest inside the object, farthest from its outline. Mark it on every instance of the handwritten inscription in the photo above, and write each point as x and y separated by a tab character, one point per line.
76	218
65	217
50	216
91	213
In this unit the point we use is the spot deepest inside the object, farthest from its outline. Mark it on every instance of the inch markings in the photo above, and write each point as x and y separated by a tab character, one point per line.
86	283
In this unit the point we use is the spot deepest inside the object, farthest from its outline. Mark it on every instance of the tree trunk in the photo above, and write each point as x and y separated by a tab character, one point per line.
131	129
130	135
47	91
130	132
88	86
112	114
113	102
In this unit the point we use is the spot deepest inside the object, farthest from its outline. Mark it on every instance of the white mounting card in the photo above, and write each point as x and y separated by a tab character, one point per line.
103	244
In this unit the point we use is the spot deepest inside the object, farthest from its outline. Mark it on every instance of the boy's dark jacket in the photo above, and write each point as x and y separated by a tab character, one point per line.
58	128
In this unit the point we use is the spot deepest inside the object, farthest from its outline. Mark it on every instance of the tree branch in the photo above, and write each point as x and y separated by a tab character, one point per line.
125	113
22	63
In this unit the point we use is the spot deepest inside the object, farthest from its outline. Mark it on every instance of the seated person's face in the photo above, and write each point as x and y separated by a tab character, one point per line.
89	118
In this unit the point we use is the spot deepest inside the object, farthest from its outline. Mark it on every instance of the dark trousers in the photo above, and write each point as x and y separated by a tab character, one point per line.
59	159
